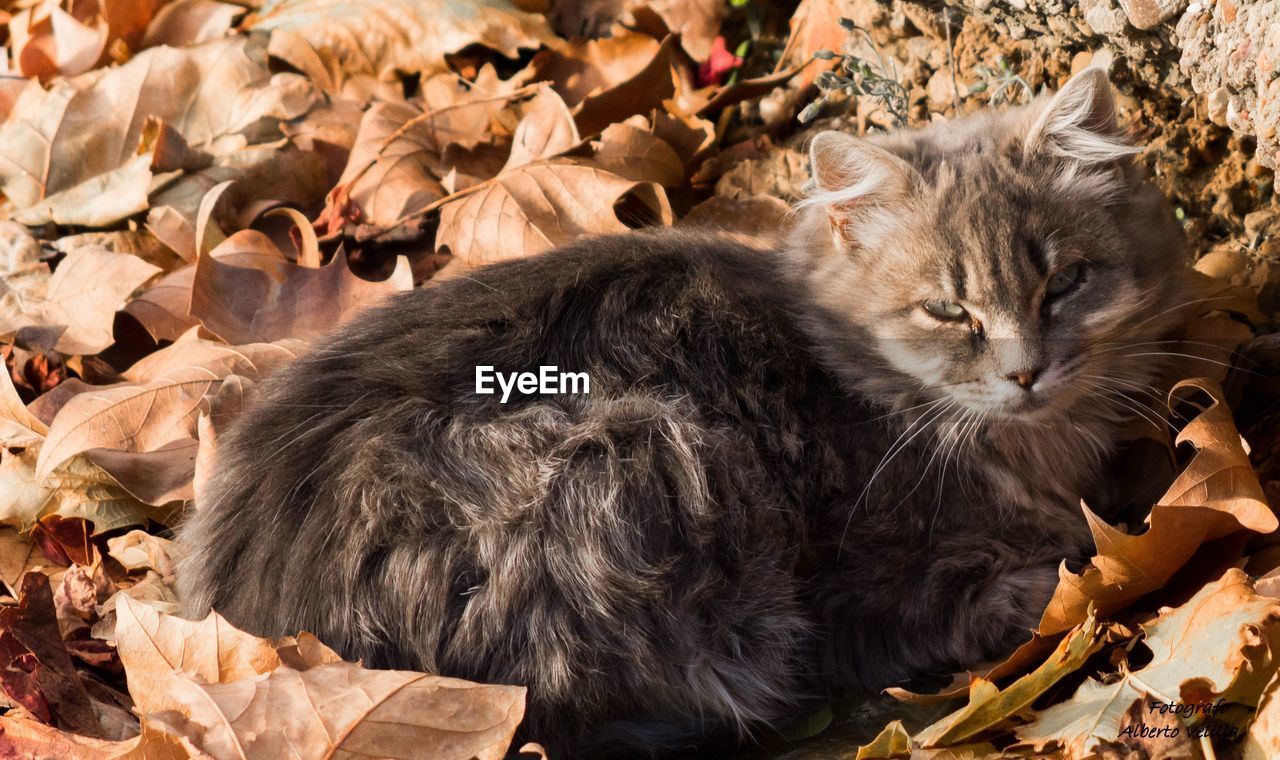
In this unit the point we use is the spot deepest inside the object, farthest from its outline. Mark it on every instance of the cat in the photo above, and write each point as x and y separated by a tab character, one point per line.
838	463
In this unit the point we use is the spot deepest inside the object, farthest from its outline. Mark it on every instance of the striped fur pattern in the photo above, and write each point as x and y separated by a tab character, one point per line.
789	477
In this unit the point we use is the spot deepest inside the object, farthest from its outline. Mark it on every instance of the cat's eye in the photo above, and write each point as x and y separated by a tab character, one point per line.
945	310
1064	280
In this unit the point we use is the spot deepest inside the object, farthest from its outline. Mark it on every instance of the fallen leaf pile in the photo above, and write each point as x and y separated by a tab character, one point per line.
193	191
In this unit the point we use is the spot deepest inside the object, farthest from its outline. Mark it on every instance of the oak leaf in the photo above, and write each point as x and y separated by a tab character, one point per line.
1222	643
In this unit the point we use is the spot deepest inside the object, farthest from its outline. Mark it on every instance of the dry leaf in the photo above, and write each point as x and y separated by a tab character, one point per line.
156	647
1216	494
245	291
74	314
535	207
232	697
989	705
545	130
340	709
608	80
31	740
404	35
632	151
392	170
1218	644
47	676
77	488
79	139
190	22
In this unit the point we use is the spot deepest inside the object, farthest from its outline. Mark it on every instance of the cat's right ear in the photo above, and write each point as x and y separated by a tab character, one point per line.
853	178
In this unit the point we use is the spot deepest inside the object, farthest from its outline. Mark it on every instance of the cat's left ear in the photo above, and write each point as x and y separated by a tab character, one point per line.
1079	122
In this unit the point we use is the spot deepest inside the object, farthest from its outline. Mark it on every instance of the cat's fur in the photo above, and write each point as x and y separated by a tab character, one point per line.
787	479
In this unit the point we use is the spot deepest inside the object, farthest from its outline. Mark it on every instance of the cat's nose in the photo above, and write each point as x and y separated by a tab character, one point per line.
1026	378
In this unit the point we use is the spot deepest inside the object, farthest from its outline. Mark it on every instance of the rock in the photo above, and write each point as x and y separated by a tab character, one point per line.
1080	61
1148	14
1104	17
941	91
1217	105
1223	263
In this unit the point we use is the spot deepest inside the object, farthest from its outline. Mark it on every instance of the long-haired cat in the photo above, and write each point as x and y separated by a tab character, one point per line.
833	466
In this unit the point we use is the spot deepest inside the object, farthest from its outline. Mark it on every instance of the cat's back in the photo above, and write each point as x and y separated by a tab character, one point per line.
639	308
371	484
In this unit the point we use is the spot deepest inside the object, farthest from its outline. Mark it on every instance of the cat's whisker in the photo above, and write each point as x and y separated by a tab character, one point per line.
1197	358
1146	413
1176	307
901	442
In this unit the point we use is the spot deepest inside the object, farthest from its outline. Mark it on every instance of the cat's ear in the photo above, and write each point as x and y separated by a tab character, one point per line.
1079	122
853	177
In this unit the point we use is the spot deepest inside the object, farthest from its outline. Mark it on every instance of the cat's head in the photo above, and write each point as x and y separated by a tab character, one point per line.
1013	263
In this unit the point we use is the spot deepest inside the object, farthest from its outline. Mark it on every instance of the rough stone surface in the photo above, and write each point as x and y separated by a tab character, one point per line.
1226	51
1231	52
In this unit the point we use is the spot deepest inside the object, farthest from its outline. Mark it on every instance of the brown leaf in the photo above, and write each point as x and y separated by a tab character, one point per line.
1220	643
31	740
33	627
392	169
404	35
156	647
1216	494
190	22
545	130
697	22
48	41
20	555
758	216
544	204
212	95
90	285
339	709
245	291
77	488
632	151
143	432
164	307
815	25
608	80
66	540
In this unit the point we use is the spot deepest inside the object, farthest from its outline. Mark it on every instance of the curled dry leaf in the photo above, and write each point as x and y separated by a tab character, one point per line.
537	206
46	40
545	130
393	168
1219	644
989	706
404	35
37	671
190	22
156	647
164	308
814	26
143	432
1216	494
